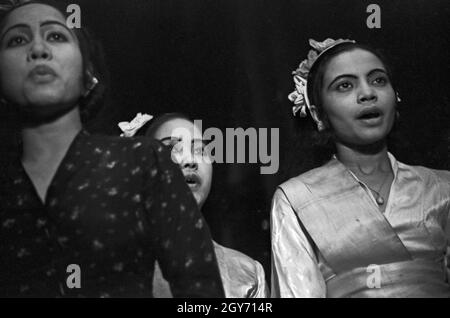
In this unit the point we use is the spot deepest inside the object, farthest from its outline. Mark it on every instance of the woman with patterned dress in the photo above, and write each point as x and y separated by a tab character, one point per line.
84	215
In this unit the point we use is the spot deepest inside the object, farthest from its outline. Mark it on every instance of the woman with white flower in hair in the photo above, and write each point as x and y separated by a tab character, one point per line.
363	224
84	215
242	276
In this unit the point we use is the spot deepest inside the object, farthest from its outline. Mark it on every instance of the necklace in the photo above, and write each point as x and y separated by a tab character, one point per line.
379	198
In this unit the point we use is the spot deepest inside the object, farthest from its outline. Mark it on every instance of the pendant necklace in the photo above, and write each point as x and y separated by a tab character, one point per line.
379	198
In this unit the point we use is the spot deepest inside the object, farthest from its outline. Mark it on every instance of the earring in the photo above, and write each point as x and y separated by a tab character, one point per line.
398	97
320	126
94	82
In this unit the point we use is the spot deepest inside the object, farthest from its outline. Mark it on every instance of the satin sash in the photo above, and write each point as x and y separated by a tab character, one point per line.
342	220
417	278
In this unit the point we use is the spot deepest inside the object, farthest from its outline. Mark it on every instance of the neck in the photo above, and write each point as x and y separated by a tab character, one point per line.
364	159
51	139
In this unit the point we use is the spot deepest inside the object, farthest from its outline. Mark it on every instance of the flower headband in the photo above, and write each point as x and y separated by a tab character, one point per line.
300	96
129	129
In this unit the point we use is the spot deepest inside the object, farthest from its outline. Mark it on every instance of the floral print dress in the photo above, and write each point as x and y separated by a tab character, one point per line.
114	206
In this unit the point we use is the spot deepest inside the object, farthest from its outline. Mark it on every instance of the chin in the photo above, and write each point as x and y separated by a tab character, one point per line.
48	97
54	93
372	139
44	96
371	136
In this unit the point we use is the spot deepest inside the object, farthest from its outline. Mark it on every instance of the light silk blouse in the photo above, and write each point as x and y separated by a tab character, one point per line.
242	276
329	238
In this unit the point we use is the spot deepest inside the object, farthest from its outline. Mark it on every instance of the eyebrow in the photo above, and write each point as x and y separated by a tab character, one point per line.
197	140
375	70
45	23
19	25
180	139
170	138
50	22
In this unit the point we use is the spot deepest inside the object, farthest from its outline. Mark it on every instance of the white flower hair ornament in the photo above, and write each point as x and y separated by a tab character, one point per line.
300	96
129	129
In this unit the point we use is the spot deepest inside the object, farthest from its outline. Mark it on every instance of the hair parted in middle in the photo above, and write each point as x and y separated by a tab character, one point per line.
95	72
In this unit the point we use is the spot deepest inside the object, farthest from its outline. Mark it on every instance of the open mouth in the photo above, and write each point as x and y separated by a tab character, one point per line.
369	114
192	180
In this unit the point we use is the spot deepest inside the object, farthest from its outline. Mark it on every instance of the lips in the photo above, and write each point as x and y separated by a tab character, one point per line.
42	73
370	115
192	180
369	112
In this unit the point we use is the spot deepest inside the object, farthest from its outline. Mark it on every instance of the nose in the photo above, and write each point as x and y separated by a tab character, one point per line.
188	161
367	94
191	164
185	159
39	50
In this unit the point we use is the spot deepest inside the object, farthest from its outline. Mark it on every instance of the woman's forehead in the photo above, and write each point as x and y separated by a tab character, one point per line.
178	127
34	13
355	62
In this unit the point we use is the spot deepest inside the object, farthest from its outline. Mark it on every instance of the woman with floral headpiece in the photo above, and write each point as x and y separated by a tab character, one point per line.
363	224
84	215
242	276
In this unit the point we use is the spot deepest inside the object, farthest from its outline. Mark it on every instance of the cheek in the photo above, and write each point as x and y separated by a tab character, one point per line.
176	158
71	63
206	172
11	71
338	109
389	100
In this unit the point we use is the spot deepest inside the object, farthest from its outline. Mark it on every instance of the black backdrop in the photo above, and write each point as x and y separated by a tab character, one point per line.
228	62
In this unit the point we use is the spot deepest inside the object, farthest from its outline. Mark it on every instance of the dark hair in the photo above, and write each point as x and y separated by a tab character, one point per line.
94	64
157	122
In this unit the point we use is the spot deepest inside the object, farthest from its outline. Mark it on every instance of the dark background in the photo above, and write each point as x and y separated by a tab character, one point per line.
229	63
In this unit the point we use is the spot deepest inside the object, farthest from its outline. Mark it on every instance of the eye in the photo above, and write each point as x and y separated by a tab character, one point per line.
381	81
198	150
344	86
176	148
56	37
16	41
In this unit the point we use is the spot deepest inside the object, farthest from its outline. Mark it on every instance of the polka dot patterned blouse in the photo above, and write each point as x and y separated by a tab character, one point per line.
114	206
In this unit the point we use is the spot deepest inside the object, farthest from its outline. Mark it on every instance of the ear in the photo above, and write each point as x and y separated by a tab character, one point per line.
88	75
90	82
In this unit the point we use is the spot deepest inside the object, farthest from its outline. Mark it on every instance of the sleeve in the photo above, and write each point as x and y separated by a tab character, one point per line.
262	289
447	231
295	271
183	241
447	255
444	177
